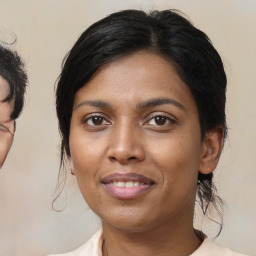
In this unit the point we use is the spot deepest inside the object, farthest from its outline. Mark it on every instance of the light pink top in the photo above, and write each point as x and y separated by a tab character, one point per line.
93	248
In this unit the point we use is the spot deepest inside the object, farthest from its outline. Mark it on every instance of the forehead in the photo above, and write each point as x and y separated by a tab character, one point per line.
139	76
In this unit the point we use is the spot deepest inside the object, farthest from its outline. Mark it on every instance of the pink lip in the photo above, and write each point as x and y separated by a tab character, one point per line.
126	193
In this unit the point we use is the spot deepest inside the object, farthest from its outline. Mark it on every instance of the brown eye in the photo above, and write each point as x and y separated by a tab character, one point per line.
96	121
159	120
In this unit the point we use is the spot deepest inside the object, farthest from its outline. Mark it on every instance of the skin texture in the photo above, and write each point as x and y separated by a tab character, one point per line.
6	125
127	137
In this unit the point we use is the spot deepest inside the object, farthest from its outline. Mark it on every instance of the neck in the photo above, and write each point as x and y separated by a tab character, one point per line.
169	239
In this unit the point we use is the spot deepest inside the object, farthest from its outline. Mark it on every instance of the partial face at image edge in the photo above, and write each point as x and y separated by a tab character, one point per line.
7	126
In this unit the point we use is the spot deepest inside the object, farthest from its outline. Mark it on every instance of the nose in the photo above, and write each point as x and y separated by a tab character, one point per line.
126	145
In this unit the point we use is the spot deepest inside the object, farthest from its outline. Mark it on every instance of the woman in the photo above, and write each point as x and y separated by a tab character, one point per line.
141	109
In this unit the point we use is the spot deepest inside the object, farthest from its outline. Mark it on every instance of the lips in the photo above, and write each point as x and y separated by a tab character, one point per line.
127	186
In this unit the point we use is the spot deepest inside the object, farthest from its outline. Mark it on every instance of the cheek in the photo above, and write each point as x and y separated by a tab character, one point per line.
84	165
178	157
87	154
178	162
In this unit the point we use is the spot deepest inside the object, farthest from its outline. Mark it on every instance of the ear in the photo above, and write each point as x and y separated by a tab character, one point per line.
211	150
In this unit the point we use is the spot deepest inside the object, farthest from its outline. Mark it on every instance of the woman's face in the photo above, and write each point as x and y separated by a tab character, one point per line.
6	125
135	143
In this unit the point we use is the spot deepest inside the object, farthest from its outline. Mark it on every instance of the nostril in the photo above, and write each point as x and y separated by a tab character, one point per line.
112	158
132	158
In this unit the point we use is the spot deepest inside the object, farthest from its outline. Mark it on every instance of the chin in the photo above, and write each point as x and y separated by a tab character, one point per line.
131	227
132	222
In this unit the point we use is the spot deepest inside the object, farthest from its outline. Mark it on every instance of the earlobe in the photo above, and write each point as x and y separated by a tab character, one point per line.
71	167
211	150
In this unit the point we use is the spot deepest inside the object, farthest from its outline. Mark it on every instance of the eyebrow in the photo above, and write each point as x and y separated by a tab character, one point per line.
146	104
160	101
94	103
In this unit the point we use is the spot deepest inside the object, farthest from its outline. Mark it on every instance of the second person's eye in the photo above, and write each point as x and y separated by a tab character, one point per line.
3	128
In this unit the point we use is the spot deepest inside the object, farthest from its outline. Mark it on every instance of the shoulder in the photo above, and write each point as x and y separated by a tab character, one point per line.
92	247
209	248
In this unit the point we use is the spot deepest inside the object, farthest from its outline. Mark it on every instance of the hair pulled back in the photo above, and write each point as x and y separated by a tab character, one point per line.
168	34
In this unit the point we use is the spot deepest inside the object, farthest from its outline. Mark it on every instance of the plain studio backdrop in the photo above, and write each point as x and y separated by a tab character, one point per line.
45	31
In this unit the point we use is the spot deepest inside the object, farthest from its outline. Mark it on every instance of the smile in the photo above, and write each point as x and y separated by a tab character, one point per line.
127	186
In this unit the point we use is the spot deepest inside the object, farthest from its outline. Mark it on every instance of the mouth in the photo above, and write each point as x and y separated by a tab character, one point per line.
127	186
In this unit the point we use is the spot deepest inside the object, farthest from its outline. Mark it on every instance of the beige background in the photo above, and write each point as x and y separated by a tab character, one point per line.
46	30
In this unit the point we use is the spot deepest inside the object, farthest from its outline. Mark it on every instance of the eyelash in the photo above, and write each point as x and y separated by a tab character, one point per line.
90	118
104	122
166	118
